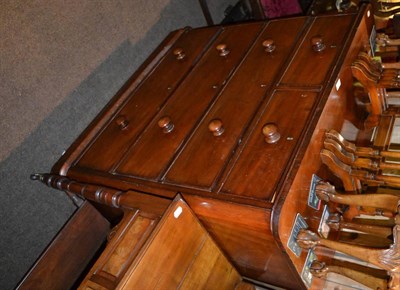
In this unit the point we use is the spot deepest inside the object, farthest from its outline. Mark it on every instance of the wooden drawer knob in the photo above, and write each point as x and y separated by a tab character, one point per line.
122	122
317	43
269	45
179	53
215	126
271	134
223	51
166	124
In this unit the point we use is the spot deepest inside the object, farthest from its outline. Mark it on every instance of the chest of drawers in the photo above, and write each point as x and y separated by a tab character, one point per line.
232	118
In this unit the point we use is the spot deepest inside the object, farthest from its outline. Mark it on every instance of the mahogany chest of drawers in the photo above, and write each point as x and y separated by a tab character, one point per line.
232	118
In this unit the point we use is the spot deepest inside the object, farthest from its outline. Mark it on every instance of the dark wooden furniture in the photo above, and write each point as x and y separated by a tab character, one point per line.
177	253
233	119
62	264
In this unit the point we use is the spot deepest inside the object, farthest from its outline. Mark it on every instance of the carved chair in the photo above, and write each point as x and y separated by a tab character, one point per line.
356	166
321	270
363	216
384	11
385	257
377	79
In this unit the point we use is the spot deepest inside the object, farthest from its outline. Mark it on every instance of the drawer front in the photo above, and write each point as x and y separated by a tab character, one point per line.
154	150
205	156
260	166
310	67
146	101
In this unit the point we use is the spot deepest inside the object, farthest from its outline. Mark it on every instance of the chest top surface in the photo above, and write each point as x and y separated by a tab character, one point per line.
219	111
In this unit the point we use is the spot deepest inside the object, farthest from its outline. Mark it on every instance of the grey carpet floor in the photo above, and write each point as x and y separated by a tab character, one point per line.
60	63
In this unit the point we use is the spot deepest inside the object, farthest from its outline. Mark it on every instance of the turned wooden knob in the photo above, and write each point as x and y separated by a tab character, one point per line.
165	124
215	126
223	51
271	134
317	43
269	45
179	53
122	122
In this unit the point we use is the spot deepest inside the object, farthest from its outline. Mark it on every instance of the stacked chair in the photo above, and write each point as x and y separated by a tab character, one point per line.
364	218
385	12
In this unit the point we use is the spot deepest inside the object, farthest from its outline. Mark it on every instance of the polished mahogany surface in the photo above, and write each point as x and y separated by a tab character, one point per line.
232	118
145	252
162	142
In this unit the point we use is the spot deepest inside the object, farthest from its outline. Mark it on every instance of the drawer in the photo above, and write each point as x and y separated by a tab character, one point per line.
146	101
203	159
310	67
258	170
155	149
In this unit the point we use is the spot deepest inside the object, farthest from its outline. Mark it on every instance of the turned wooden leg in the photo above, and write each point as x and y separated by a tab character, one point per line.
395	94
99	194
327	193
387	259
321	270
384	40
336	222
378	179
389	65
374	164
